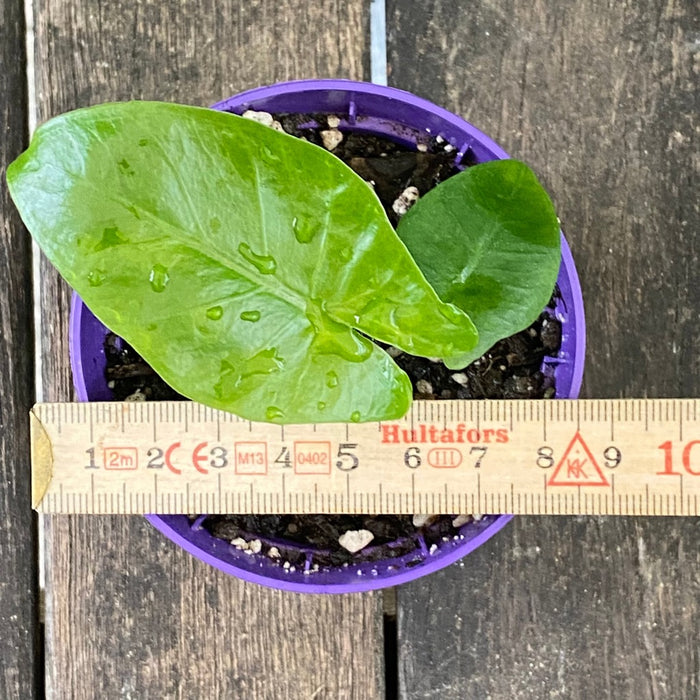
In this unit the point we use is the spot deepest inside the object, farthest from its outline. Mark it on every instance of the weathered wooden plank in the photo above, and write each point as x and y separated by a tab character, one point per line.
169	627
601	101
129	615
20	670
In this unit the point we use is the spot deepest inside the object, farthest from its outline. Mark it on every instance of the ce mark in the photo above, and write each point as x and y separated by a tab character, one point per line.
202	457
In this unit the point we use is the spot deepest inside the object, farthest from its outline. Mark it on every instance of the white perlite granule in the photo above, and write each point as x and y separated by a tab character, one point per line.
424	387
331	138
264	118
405	200
460	378
461	520
355	540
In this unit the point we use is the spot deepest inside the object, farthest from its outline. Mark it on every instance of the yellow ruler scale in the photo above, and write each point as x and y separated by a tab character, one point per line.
598	456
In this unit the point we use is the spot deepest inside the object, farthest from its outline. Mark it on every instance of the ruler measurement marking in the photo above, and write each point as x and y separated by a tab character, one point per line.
510	417
544	426
578	416
612	424
612	484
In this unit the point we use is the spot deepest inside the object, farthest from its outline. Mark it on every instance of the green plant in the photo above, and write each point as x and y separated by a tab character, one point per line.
251	268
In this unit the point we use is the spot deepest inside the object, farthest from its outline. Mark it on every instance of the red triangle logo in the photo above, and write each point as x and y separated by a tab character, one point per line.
578	467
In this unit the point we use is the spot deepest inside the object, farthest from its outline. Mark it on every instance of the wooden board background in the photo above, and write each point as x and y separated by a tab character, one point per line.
20	669
601	100
128	614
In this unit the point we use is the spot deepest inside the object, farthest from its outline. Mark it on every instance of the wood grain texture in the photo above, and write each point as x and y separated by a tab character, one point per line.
167	627
601	99
20	670
128	614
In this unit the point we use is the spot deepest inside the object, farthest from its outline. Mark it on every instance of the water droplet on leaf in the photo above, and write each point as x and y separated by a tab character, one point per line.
273	412
104	128
345	254
143	142
331	379
232	376
321	405
269	156
355	416
111	236
252	316
125	167
159	278
334	338
304	231
215	313
96	278
264	264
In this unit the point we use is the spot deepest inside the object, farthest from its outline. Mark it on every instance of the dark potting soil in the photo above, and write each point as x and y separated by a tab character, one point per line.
511	369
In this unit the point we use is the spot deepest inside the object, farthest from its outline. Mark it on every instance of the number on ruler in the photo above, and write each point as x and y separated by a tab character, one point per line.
481	452
347	461
545	457
667	447
92	465
219	457
613	457
284	458
156	458
411	457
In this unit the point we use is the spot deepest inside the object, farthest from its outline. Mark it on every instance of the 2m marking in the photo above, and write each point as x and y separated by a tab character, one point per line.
121	458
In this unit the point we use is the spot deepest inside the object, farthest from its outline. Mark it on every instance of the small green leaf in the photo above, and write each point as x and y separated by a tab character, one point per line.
488	241
237	260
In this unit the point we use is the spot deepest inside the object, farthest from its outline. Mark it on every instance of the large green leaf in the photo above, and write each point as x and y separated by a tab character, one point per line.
488	241
237	260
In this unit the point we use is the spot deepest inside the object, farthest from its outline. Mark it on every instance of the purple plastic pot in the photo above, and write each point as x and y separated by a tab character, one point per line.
407	119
